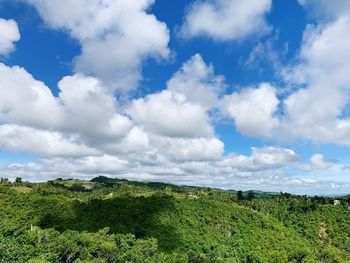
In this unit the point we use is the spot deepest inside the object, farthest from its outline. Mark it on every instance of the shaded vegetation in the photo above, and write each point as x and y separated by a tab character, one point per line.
111	220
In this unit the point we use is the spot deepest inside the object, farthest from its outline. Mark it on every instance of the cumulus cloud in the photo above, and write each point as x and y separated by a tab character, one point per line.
83	106
197	81
135	141
170	114
315	112
268	157
318	161
90	110
262	158
26	101
187	149
115	36
88	165
172	138
170	128
40	142
316	106
253	110
226	19
86	114
9	34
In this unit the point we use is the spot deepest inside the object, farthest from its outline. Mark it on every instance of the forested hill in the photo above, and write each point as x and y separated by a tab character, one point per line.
110	220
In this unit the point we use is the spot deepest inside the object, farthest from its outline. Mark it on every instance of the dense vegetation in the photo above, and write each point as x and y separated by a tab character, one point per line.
110	220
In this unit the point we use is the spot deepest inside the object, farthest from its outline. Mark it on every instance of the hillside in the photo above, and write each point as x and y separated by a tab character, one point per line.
110	220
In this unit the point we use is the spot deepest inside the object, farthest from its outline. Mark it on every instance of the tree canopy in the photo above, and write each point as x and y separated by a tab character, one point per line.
111	220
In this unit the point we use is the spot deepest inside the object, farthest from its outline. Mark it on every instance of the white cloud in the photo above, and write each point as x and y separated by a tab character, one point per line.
170	114
136	141
226	19
190	149
262	158
40	142
253	110
317	106
88	165
198	83
26	101
315	111
90	110
115	36
273	157
83	106
85	115
318	161
9	34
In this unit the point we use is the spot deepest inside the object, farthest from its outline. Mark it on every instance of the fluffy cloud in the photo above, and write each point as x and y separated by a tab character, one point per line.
115	36
318	161
26	101
135	141
89	135
198	83
262	158
170	114
253	110
90	110
226	19
86	115
83	106
196	149
41	143
315	112
9	34
269	157
317	105
88	165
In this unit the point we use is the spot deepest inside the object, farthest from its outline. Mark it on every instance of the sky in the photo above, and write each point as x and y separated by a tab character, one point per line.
231	94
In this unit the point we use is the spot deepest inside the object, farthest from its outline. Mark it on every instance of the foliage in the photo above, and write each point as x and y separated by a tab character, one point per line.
111	220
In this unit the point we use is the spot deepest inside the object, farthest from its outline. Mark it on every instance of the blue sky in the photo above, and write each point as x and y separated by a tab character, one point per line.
229	94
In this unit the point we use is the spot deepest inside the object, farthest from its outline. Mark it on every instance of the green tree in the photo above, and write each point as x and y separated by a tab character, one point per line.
240	196
18	180
250	196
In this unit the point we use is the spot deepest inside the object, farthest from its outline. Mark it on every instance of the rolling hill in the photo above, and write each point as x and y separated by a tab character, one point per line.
111	220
